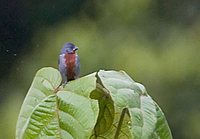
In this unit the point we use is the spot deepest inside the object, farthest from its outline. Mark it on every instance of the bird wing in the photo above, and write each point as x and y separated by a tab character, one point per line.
77	67
62	67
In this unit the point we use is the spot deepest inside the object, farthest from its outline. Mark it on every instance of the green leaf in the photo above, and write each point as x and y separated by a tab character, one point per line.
106	111
162	128
114	106
143	119
77	111
77	115
143	116
36	106
50	111
43	121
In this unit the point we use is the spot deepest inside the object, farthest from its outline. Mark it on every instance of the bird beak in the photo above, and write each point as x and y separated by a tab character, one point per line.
75	49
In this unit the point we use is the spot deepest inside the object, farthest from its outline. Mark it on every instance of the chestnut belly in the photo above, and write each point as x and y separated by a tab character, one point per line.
70	61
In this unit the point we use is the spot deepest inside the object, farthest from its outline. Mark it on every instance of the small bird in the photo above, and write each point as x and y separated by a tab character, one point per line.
69	63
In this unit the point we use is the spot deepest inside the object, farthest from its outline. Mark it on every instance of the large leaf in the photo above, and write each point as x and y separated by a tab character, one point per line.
106	111
50	111
36	112
162	128
77	111
144	117
115	107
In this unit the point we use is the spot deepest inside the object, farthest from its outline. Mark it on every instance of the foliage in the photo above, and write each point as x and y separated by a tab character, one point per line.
156	42
106	104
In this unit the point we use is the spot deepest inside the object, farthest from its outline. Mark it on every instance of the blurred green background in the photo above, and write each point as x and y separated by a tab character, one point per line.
157	42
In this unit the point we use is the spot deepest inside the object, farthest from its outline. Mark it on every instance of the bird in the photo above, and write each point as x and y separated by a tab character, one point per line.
69	63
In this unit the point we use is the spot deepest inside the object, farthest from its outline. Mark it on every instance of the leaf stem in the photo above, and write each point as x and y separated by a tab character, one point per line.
120	123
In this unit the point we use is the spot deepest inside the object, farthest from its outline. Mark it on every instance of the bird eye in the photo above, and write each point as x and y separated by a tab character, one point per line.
75	49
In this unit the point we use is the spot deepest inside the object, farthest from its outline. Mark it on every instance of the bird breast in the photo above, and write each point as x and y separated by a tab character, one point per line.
70	61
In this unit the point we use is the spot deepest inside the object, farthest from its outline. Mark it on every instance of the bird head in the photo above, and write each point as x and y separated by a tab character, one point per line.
69	48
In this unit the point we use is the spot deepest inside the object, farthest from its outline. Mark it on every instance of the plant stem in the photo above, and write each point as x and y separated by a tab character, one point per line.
120	123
